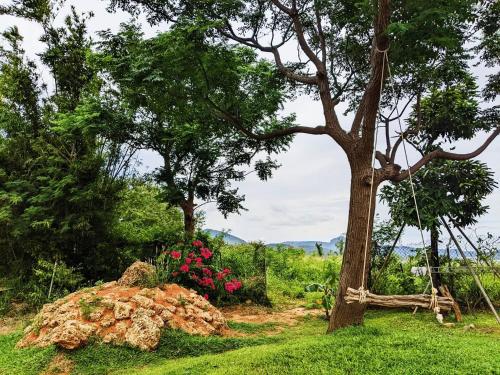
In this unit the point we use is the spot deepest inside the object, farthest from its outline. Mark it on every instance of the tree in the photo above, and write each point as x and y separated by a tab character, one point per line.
453	189
168	81
344	50
140	217
61	154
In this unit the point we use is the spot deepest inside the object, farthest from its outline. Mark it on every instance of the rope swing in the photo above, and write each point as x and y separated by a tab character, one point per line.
364	295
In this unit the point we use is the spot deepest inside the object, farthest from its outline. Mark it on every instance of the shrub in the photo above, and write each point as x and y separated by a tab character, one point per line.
194	267
34	291
248	261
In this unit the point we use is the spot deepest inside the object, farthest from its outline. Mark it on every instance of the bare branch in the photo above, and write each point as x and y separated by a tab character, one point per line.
440	154
236	122
306	79
321	35
287	72
282	7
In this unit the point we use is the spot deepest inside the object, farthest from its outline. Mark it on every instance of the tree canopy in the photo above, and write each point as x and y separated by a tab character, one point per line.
174	83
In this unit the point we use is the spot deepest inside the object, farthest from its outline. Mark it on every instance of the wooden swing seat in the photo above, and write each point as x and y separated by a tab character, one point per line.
410	300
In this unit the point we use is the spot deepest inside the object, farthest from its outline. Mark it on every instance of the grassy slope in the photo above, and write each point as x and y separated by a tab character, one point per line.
390	342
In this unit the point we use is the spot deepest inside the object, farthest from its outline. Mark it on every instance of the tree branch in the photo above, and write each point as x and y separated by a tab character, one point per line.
440	154
236	122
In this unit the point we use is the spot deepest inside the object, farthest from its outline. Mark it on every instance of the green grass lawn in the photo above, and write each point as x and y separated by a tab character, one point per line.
388	343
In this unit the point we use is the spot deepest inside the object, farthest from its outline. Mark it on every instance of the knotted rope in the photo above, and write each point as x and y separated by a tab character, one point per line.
363	293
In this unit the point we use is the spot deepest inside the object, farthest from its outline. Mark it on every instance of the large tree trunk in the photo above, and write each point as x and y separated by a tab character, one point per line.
352	272
434	258
189	220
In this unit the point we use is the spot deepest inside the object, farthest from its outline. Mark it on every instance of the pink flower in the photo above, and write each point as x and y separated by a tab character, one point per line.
191	255
205	296
220	275
175	274
207	271
207	282
232	285
226	271
205	252
175	254
184	268
188	260
199	261
198	243
194	276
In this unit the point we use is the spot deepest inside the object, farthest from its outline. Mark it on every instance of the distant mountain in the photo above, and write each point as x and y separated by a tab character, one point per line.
228	238
404	251
310	246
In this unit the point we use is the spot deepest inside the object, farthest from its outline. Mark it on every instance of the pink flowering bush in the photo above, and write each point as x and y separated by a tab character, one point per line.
194	267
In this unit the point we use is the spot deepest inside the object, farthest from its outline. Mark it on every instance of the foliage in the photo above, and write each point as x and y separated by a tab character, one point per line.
66	280
60	154
141	218
34	292
447	188
328	291
290	270
248	262
174	112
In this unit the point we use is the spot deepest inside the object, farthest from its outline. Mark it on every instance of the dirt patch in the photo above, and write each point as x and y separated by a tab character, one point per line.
60	365
13	324
259	314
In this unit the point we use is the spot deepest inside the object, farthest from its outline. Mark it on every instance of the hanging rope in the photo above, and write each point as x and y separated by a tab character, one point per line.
434	305
362	292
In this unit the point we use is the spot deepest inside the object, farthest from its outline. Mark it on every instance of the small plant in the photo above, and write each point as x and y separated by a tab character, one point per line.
87	307
182	300
328	293
36	325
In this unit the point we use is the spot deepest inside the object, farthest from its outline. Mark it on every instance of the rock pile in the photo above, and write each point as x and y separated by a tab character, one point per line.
122	314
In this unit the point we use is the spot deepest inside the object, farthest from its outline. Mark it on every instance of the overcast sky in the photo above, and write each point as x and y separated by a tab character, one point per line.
308	197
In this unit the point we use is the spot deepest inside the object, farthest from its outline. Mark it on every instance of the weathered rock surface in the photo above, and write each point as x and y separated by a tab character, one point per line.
122	314
138	274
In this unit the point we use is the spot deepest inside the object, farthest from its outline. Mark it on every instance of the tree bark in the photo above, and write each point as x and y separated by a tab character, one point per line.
352	273
189	220
434	258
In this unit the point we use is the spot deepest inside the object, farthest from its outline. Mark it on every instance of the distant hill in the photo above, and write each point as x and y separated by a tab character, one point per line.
310	246
404	251
228	238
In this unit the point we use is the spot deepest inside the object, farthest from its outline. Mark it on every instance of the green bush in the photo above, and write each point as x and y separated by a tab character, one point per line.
290	270
248	263
34	291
